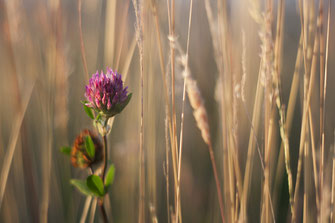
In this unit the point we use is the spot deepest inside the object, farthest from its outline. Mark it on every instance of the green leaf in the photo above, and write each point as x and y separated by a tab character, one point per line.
98	117
88	111
95	184
120	107
66	150
110	176
84	102
82	187
89	145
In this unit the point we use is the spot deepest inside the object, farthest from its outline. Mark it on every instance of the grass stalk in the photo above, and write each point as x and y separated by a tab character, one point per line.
315	173
93	209
168	124
139	38
304	122
284	156
166	168
251	148
123	33
178	208
8	158
85	209
333	182
323	84
175	154
111	7
320	32
174	142
281	111
82	46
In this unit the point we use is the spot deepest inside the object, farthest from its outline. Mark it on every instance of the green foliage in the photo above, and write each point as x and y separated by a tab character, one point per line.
88	111
96	186
81	185
110	176
89	145
120	107
98	118
66	150
93	186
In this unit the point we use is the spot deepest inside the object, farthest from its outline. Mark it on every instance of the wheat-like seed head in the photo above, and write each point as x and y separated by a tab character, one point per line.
196	100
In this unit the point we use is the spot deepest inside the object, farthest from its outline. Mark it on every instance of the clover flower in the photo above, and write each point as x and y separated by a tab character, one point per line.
106	94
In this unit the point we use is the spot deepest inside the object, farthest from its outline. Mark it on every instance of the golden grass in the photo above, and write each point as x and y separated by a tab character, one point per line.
269	134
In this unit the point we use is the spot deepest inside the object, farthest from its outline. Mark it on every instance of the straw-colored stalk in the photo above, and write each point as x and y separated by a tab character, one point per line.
322	68
323	88
289	118
13	13
333	184
201	118
109	43
277	84
93	208
174	146
186	70
304	121
306	185
223	58
82	46
168	114
122	33
269	78
85	209
139	38
8	158
168	124
312	137
320	32
172	38
324	111
166	167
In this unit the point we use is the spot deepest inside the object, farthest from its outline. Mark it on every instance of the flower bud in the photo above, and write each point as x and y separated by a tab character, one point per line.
79	156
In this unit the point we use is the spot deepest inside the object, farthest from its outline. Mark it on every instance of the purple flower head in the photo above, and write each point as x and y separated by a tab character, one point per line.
105	93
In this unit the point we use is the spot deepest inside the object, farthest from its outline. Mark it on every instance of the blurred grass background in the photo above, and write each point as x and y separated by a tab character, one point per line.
42	81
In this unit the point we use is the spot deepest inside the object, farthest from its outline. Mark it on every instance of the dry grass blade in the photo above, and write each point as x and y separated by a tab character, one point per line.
186	69
288	124
324	90
333	184
200	115
304	122
110	31
12	142
129	57
322	68
316	179
277	82
85	209
168	124
139	39
93	208
123	32
174	143
82	46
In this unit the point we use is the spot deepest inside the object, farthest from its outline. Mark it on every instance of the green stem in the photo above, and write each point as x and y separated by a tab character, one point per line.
105	158
101	201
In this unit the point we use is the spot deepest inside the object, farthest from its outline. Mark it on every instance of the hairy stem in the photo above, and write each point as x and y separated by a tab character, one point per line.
101	201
